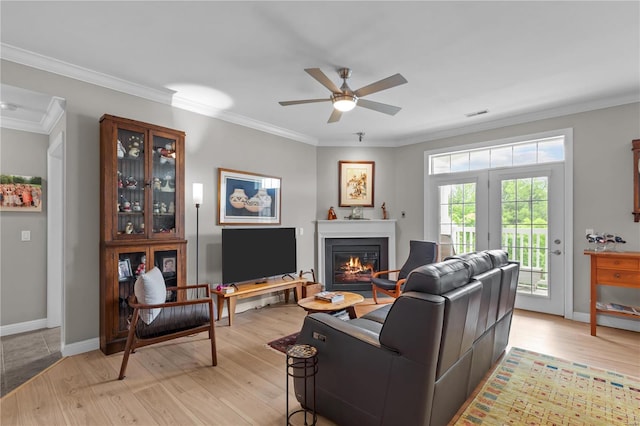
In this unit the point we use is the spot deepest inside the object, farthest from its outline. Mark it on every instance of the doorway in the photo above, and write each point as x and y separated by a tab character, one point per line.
515	205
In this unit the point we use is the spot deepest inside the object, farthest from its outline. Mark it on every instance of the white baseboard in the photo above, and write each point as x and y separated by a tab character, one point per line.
80	347
23	327
610	321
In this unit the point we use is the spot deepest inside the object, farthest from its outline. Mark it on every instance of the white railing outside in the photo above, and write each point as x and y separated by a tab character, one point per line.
529	246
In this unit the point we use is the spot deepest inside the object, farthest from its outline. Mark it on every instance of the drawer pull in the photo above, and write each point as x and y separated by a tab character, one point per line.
617	275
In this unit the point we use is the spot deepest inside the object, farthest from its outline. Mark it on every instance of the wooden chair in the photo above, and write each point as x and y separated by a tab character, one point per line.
420	253
175	319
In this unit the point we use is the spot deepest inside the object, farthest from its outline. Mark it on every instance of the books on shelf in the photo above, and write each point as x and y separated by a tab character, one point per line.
330	296
617	307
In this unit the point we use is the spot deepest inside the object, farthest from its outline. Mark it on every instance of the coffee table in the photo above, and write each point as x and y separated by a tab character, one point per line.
311	304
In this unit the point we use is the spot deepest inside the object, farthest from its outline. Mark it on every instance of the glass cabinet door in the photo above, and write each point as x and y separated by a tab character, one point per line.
167	262
130	266
163	184
130	182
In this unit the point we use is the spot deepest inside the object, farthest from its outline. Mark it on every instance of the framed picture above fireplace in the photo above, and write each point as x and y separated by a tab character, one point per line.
355	183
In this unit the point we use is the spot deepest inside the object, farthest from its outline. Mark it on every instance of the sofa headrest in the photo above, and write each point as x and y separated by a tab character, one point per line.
439	278
498	257
478	261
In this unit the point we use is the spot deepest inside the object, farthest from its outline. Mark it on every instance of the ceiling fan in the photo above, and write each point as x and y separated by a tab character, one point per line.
344	99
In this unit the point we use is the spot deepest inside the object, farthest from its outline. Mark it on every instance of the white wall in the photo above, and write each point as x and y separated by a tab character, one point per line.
23	264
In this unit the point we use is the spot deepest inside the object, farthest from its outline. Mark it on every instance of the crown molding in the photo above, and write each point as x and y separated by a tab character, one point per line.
575	108
163	95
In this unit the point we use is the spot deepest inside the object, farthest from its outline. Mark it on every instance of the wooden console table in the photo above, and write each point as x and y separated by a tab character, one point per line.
618	269
255	289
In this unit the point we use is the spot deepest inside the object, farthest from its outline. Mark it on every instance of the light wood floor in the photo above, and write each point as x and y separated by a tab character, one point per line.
172	383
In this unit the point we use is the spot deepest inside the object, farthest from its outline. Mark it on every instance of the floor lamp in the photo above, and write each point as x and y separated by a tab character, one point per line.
198	193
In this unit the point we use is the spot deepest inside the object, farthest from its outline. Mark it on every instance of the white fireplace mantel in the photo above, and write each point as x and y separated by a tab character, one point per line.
355	229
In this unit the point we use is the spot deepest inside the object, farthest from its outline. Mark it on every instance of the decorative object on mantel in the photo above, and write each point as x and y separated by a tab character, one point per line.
355	183
331	215
605	241
246	198
356	214
384	211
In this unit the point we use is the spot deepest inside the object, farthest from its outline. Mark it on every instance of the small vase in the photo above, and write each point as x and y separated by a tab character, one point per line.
265	199
238	198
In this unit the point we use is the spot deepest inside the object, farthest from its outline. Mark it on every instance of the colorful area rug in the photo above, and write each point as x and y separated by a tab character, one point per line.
528	388
283	343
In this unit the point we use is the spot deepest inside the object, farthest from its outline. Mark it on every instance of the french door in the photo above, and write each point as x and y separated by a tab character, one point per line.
520	210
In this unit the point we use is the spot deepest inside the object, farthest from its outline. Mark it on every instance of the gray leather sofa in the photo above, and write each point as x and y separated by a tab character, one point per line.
416	361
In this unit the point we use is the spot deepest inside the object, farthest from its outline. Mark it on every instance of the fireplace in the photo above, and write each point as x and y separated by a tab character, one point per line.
351	262
372	240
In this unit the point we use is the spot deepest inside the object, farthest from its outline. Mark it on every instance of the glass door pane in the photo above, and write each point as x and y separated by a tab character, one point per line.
130	180
457	218
167	262
164	184
128	271
525	230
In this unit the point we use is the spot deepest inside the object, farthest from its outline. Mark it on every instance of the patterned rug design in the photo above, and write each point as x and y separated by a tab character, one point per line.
529	388
283	343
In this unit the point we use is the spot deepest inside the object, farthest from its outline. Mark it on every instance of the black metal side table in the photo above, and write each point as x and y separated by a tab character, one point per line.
302	363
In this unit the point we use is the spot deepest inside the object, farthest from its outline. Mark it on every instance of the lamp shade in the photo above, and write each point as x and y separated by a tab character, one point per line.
344	102
198	193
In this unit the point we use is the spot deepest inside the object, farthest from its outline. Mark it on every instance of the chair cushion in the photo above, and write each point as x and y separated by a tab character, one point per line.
384	283
150	289
174	319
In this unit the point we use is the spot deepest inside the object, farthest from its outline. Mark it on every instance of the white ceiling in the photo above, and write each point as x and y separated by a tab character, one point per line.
235	60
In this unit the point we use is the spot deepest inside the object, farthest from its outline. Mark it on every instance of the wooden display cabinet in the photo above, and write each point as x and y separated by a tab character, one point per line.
636	179
141	214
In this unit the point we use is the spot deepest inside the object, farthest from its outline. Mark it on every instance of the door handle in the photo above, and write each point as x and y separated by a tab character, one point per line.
556	252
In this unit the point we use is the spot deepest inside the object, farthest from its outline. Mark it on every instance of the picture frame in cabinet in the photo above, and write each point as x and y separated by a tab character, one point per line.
124	270
246	198
169	265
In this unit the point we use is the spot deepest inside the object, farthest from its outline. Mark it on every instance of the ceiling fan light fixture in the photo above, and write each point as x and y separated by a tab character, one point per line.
343	102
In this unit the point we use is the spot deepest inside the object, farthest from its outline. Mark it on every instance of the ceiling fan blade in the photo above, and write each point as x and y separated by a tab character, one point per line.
335	116
377	106
385	83
323	79
304	101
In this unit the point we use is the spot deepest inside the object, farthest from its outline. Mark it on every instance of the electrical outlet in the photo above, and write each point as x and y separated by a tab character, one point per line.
301	231
26	236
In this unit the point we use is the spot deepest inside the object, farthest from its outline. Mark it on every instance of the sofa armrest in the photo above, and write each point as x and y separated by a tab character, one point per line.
318	327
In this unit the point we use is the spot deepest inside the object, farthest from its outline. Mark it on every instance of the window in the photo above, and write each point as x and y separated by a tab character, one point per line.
540	151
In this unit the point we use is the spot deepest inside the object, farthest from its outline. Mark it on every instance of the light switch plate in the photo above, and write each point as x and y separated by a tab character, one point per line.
26	235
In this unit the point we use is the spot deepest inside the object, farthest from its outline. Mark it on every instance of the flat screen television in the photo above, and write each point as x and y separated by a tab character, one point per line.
254	254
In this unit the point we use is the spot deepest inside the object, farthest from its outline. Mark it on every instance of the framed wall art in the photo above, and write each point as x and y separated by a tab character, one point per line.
355	187
20	193
246	198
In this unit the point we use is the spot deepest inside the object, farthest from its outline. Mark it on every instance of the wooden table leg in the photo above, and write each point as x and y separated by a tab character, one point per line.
351	310
220	306
286	295
231	308
298	291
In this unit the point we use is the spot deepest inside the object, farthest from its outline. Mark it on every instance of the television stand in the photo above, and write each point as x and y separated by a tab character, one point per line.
251	289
